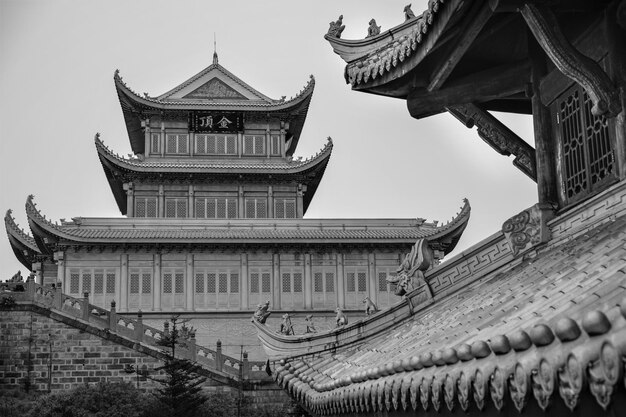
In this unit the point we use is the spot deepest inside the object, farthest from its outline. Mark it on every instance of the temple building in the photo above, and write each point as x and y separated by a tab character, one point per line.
214	204
532	319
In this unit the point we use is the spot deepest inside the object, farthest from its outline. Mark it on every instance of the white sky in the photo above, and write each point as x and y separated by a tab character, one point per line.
57	60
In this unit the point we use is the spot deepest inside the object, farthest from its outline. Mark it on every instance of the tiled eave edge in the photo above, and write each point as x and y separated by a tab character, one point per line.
399	49
23	245
147	102
136	165
508	370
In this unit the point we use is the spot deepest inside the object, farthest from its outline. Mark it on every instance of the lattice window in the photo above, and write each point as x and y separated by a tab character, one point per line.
145	207
199	283
256	208
179	283
211	283
286	282
231	145
350	282
155	140
318	282
383	285
330	282
167	283
146	283
216	144
265	282
234	282
110	285
201	142
254	145
86	282
216	208
285	208
297	282
254	282
223	282
362	281
74	283
134	283
275	149
586	145
176	207
98	283
176	143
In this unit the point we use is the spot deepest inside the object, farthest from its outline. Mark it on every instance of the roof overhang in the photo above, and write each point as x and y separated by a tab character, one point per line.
22	244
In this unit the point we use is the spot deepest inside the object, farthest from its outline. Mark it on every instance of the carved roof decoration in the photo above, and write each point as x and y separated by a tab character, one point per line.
309	171
23	244
375	56
239	231
543	329
189	96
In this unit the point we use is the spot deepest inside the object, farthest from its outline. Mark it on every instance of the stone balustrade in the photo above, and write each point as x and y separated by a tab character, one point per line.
131	328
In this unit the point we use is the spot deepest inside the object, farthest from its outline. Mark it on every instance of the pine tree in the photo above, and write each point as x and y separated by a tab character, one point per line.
181	391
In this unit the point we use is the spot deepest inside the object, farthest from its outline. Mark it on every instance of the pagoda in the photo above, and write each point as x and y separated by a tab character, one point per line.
214	203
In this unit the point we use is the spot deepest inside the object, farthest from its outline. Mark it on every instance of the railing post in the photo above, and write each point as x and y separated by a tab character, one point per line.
58	298
219	361
86	312
30	288
193	349
139	327
112	317
245	366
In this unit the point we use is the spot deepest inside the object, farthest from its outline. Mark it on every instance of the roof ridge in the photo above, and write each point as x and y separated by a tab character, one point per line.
9	223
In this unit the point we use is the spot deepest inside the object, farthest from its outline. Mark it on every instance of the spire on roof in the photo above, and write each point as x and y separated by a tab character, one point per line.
214	50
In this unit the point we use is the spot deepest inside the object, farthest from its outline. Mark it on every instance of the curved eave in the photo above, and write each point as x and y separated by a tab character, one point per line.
382	59
310	172
44	232
293	110
22	244
446	237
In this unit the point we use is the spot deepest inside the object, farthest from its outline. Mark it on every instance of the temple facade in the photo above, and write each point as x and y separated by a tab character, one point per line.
532	319
214	203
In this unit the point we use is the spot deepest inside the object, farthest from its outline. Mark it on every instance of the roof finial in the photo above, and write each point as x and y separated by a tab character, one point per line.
214	50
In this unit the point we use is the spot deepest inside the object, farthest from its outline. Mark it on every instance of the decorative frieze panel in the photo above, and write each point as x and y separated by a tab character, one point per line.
528	229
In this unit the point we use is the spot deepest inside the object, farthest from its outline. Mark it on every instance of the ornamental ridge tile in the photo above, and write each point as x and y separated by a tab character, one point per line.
13	229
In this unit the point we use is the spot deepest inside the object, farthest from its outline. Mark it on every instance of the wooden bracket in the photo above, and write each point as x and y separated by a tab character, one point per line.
498	136
573	64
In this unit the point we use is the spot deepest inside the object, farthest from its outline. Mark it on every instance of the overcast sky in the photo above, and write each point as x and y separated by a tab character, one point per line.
57	60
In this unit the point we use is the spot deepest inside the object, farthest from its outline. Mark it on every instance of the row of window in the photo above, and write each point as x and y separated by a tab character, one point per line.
205	144
216	207
221	287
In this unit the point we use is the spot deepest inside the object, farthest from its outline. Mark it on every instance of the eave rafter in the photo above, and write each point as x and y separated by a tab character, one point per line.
498	136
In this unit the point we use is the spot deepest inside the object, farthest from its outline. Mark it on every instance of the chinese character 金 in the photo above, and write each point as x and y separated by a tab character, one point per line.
224	122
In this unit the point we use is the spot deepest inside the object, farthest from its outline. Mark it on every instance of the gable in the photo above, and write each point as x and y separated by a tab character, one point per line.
215	89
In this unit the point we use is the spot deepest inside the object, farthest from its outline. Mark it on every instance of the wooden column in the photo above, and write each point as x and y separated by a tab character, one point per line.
283	149
59	257
161	201
239	144
162	139
341	289
192	140
130	200
191	208
189	287
147	142
241	203
270	202
371	273
268	143
156	287
276	281
300	200
545	143
121	284
308	282
244	282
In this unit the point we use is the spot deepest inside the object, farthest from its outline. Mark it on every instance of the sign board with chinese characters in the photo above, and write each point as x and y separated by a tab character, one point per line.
216	122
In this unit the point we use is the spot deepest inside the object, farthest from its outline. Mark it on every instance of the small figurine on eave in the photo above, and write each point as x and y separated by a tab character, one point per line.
310	327
408	13
261	314
286	327
373	30
335	29
341	318
370	307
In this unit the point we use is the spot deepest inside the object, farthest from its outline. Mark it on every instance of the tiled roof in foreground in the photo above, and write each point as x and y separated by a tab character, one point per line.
541	329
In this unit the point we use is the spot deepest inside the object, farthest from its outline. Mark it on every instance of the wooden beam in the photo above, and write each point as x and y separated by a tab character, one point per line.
491	84
502	139
474	22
